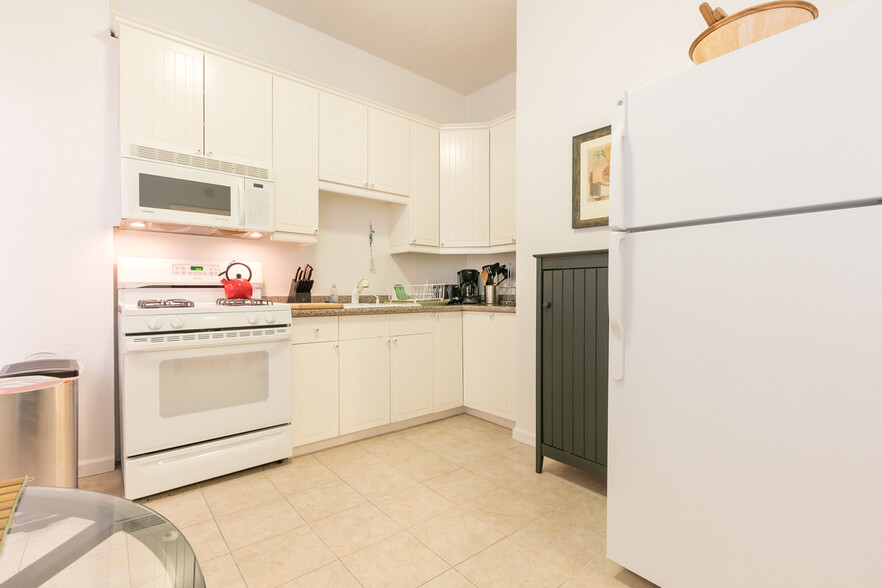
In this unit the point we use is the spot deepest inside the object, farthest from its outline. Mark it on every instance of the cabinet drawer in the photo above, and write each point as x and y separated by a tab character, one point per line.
364	326
314	329
410	324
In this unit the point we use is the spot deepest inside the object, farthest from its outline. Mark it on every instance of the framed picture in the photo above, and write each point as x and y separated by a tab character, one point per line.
591	178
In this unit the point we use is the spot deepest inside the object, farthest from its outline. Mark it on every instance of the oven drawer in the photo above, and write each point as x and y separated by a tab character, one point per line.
314	329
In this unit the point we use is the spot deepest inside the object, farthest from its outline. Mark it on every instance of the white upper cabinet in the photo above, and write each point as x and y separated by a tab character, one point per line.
465	188
238	112
363	147
342	141
388	152
295	157
160	92
417	223
163	87
502	183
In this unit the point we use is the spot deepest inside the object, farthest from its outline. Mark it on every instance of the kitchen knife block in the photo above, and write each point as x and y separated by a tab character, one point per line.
300	291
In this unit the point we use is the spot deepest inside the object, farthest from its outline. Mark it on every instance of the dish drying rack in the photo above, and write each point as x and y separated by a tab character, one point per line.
416	292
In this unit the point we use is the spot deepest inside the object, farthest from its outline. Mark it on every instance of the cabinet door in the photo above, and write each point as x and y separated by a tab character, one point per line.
502	183
316	401
465	188
503	351
238	112
160	92
478	373
295	156
388	152
424	149
447	350
364	384
412	389
342	141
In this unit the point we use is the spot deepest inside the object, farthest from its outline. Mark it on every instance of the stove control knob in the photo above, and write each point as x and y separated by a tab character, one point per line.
177	322
252	318
270	318
154	323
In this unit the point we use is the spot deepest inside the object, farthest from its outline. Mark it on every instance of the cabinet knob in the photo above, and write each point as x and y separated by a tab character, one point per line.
442	244
211	153
437	315
512	239
336	346
199	152
395	340
546	305
315	330
315	230
365	185
491	315
372	185
413	240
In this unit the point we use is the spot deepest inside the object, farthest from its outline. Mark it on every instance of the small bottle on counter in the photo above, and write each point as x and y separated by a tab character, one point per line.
333	297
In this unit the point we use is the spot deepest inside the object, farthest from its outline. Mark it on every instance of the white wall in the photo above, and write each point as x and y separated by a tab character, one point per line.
59	163
573	57
492	101
261	34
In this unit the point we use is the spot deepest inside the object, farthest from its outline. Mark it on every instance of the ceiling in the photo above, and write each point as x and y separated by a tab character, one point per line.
461	44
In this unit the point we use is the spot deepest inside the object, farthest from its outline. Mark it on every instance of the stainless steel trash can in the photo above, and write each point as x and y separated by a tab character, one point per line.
38	421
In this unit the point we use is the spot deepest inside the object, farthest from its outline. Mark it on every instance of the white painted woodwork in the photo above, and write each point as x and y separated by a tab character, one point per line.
447	359
465	188
388	152
364	383
160	102
412	388
316	396
364	326
295	156
410	324
342	141
417	224
502	183
488	349
238	112
503	351
314	329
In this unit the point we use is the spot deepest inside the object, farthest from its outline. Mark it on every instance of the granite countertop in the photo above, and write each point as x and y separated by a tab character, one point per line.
392	309
508	308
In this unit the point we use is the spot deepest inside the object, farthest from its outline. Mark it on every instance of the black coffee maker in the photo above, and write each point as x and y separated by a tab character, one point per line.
468	286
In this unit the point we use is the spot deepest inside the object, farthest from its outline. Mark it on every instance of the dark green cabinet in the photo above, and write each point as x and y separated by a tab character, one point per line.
572	357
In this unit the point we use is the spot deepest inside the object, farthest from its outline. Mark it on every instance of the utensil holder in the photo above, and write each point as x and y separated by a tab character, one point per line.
491	296
302	297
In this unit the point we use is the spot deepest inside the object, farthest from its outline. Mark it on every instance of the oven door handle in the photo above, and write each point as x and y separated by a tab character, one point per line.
169	341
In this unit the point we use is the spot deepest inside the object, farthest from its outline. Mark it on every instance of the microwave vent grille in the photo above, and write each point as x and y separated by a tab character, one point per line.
163	156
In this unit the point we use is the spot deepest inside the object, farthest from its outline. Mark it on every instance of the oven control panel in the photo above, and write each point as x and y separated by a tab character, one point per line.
182	269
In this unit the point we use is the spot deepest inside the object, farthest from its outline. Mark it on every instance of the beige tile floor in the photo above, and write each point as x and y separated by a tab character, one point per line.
447	504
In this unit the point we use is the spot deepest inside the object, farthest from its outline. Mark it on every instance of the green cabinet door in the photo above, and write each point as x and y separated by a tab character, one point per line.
572	355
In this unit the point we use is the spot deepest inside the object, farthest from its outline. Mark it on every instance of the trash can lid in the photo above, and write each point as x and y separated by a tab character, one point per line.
60	368
18	384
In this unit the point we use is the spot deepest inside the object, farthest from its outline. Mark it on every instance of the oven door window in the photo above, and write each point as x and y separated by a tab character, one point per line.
167	193
198	384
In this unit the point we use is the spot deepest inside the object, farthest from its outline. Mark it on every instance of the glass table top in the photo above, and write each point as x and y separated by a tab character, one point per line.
70	537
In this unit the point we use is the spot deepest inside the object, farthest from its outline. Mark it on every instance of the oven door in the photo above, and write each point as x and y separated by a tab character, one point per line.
173	397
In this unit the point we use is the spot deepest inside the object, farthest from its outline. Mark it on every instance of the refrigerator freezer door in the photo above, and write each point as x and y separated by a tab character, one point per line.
744	435
790	122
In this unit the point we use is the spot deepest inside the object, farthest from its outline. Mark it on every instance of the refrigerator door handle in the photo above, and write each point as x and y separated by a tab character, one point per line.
617	174
616	292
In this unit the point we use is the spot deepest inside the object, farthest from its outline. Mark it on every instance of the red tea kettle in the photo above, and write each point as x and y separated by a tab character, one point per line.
237	288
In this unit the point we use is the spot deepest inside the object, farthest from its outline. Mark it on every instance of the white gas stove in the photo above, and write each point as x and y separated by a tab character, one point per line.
205	382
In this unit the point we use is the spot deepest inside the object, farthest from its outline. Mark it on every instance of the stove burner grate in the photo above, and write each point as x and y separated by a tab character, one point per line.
243	301
170	303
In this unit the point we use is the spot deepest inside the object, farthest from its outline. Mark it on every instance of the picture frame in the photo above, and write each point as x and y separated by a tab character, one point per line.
591	154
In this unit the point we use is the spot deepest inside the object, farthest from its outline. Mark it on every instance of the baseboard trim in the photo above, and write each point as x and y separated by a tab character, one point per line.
528	437
97	465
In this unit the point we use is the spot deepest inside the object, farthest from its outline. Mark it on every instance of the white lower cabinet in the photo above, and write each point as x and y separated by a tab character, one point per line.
369	370
488	350
364	384
447	360
316	400
412	390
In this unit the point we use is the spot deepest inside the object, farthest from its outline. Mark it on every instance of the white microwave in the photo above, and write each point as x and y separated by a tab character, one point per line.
161	193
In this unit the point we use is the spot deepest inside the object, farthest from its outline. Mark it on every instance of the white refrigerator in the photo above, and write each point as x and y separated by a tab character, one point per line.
745	393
